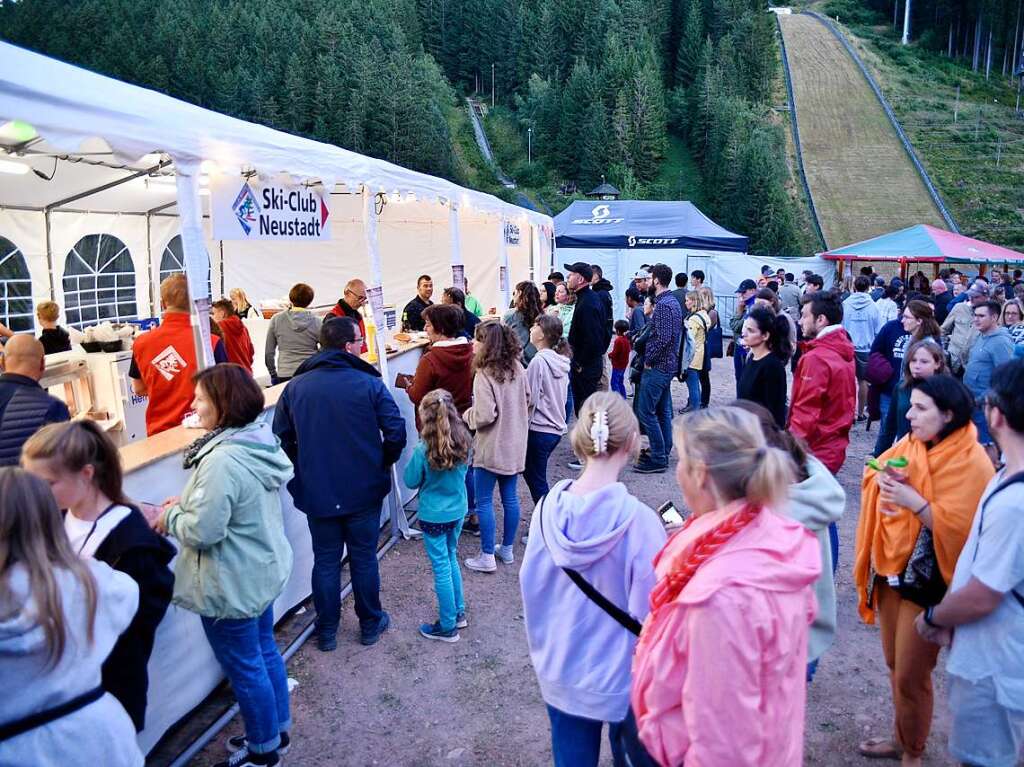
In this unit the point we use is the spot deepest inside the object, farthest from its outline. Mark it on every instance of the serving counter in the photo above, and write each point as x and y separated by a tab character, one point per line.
182	669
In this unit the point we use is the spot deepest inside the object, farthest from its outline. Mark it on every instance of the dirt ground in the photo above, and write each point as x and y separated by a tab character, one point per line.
409	702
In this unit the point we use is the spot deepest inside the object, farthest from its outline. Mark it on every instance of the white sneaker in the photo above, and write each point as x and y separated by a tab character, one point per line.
484	563
504	553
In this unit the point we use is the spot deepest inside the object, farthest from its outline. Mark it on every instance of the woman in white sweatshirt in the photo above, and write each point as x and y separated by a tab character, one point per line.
61	617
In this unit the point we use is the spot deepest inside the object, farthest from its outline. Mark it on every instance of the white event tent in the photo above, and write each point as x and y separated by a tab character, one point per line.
106	180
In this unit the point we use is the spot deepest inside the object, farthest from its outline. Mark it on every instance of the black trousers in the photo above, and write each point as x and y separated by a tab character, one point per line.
584	382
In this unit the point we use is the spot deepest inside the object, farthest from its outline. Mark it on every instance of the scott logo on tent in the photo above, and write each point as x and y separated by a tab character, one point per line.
601	214
641	241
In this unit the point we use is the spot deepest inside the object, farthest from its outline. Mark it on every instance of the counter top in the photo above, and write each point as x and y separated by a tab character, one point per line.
146	451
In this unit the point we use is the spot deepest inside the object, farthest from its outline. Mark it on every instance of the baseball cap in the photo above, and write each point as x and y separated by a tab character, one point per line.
582	268
979	289
642	274
746	285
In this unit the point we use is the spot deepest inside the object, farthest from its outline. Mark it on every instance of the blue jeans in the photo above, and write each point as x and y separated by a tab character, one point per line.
693	388
569	406
470	491
576	741
655	411
250	659
619	382
442	551
485	482
357	534
833	544
539	446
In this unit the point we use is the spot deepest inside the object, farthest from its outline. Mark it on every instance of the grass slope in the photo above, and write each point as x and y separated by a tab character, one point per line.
976	161
861	179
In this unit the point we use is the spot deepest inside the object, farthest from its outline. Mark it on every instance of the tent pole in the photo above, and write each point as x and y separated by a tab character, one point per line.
503	271
149	265
49	256
110	185
375	292
458	268
197	261
220	243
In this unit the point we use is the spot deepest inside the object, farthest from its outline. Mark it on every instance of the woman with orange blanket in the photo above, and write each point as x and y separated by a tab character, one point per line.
946	472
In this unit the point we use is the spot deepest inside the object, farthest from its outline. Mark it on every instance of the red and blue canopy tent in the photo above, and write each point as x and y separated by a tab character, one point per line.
926	244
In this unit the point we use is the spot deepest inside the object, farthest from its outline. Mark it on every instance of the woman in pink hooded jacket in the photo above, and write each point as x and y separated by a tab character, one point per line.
719	670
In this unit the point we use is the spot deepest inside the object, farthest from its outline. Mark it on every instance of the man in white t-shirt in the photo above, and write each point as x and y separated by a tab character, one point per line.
983	611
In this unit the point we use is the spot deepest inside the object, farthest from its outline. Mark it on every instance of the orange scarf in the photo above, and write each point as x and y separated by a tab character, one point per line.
951	476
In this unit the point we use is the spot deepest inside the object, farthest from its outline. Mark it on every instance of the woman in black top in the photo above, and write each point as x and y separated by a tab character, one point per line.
767	338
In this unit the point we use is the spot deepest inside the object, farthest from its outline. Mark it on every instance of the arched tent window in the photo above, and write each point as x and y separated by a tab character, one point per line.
99	282
15	288
173	261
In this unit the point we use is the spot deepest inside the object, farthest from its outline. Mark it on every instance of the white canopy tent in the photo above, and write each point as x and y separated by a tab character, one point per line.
82	154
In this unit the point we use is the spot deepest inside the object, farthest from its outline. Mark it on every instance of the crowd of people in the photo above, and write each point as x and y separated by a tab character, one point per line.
694	641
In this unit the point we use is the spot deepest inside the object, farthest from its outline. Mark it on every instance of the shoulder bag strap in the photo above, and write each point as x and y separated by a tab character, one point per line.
1013	480
623	618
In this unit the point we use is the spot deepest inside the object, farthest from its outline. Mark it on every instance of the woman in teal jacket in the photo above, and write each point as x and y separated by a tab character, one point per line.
234	558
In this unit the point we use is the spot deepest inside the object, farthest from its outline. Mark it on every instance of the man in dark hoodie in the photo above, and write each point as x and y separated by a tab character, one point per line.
603	290
342	430
589	334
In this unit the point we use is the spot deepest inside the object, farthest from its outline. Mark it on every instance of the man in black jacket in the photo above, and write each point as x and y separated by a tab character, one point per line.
603	290
25	406
589	334
342	430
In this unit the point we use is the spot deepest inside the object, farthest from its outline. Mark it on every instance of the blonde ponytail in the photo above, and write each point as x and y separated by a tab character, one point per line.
605	425
730	444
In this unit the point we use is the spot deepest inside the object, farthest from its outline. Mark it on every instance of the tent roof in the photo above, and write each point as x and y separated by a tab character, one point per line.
642	224
604	188
925	243
94	131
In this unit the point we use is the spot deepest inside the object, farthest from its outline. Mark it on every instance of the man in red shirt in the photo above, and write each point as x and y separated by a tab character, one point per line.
237	343
348	306
164	360
824	397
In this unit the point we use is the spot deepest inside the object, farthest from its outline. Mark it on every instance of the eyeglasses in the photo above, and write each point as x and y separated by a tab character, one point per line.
355	341
360	296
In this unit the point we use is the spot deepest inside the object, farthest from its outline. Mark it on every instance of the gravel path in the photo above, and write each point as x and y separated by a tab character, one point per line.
410	702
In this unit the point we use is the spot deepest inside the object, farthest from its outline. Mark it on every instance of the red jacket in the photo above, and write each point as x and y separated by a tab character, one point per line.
825	397
237	343
341	309
619	354
444	367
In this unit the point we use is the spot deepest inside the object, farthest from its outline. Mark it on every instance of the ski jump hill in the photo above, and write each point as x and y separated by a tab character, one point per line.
861	173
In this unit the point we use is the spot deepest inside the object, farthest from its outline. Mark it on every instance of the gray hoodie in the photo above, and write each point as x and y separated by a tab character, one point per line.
815	503
295	335
548	376
102	732
862	320
989	352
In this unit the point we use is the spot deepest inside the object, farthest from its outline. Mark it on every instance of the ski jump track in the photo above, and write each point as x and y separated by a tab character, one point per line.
859	171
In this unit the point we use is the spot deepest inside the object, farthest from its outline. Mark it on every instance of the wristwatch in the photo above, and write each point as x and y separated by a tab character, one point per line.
928	612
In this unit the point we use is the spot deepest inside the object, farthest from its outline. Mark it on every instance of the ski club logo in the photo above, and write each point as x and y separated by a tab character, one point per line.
169	363
246	208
